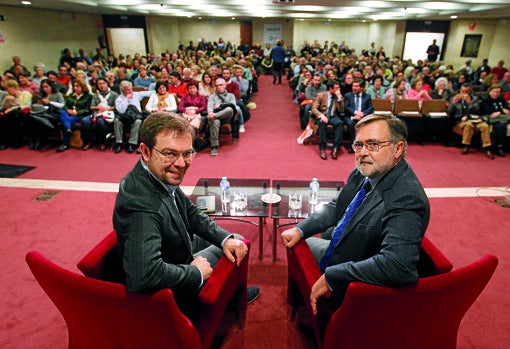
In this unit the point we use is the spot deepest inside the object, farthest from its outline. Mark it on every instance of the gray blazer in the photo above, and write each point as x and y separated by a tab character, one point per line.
155	238
381	243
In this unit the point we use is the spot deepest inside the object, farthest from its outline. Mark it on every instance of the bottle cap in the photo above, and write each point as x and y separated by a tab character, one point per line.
223	178
314	178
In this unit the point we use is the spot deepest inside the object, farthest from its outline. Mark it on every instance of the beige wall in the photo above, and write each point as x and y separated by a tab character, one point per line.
40	36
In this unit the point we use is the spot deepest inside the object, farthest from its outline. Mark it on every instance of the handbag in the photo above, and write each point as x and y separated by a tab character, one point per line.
130	115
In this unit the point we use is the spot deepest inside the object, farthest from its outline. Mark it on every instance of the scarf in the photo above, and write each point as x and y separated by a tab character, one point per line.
162	101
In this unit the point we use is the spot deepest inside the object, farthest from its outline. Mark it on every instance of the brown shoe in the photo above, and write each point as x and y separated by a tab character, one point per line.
489	154
334	153
323	155
464	150
86	146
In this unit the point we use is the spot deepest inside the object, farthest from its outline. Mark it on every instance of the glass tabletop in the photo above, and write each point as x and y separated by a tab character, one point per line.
328	192
206	195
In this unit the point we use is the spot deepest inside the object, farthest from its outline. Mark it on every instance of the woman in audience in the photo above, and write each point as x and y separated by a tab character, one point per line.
417	91
76	107
14	107
26	85
442	91
193	104
162	100
43	124
39	73
206	86
397	92
376	91
100	123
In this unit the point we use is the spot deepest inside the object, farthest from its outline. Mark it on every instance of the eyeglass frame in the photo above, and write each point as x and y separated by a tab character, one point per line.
372	146
190	157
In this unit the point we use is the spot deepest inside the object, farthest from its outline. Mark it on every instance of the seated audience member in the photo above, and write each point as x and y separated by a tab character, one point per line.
221	108
187	75
244	84
497	111
15	106
162	100
128	114
63	76
176	86
95	127
442	91
143	80
505	83
17	67
196	73
483	68
206	86
267	65
193	104
347	84
77	106
461	79
388	200
43	124
357	105
78	75
397	92
499	70
26	85
376	90
327	108
39	74
149	212
491	79
120	76
53	77
417	91
311	92
234	88
464	110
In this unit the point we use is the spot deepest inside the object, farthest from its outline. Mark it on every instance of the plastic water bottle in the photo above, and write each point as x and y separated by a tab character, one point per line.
225	190
314	191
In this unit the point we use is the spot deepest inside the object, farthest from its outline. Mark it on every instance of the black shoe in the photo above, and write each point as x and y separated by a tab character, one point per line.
68	132
3	146
118	147
131	148
253	293
62	148
500	152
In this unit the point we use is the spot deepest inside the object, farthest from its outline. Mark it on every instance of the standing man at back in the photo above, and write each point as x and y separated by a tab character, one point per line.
432	51
278	56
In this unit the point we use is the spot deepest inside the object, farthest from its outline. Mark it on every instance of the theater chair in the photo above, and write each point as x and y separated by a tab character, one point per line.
103	314
426	315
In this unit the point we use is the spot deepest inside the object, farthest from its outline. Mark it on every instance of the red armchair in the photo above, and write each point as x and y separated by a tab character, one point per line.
426	315
101	313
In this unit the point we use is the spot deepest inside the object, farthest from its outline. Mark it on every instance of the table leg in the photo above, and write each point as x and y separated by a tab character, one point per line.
261	238
275	231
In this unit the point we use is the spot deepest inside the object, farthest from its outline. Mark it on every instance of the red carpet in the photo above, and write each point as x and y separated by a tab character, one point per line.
67	226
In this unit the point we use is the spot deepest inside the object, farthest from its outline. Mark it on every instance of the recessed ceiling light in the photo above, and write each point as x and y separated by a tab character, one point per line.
454	17
26	3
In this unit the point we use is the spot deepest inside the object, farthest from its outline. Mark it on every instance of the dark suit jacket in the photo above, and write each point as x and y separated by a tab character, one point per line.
381	243
320	105
366	104
155	238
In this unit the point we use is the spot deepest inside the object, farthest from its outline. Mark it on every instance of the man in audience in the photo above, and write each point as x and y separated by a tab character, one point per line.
63	76
390	212
16	60
327	108
176	86
358	104
499	70
129	114
165	241
464	110
143	79
505	83
221	107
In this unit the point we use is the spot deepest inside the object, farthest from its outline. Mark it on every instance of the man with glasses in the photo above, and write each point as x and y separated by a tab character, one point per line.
221	107
379	218
165	241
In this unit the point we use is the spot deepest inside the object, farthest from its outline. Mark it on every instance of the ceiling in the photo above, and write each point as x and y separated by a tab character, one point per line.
369	10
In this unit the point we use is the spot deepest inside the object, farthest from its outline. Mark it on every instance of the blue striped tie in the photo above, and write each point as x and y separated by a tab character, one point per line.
342	223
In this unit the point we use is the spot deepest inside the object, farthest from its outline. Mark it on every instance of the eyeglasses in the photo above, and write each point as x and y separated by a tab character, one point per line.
373	146
172	156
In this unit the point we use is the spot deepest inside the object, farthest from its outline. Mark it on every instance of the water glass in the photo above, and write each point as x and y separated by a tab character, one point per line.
240	200
295	201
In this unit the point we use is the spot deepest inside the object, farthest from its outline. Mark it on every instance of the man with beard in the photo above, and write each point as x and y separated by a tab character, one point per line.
165	241
380	217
